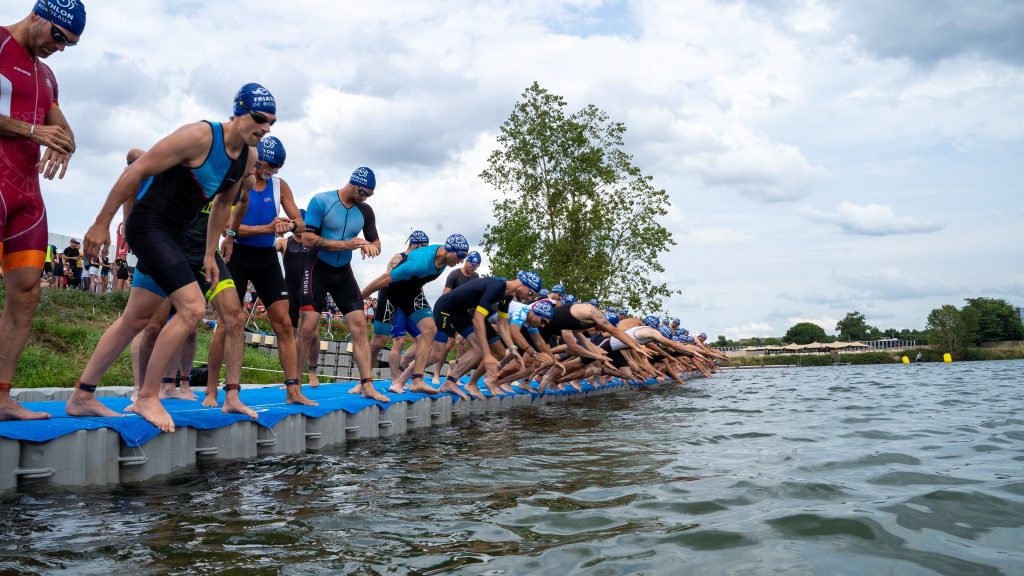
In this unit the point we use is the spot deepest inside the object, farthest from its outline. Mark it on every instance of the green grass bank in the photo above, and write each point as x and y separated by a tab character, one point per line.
67	327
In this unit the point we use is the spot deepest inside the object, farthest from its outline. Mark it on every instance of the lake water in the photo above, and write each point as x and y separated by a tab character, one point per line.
836	470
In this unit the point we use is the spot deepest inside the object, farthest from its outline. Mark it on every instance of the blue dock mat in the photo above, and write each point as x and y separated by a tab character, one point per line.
267	402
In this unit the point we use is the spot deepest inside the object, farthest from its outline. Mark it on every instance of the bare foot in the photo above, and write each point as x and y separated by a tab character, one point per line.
314	380
85	404
450	386
152	410
357	389
507	388
232	405
11	410
370	391
295	396
396	388
575	384
175	394
494	389
474	390
422	387
210	400
187	392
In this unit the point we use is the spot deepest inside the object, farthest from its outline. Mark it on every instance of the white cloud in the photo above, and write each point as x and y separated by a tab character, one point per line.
870	220
751	330
826	322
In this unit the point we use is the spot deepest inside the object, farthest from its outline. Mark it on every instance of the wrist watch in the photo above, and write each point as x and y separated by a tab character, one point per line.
229	233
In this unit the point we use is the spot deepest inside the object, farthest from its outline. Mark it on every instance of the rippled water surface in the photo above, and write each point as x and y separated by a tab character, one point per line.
838	470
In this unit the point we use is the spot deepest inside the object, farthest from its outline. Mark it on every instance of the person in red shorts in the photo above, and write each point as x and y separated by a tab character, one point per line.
30	119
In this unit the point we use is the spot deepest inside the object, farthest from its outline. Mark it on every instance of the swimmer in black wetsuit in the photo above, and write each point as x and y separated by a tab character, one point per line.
195	164
464	311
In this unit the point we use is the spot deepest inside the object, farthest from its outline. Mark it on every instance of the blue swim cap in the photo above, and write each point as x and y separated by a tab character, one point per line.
593	302
685	331
688	339
623	312
457	243
543	292
558	289
68	14
612	317
364	177
674	321
529	279
651	321
544	309
702	336
271	151
254	98
665	331
419	237
568	299
474	258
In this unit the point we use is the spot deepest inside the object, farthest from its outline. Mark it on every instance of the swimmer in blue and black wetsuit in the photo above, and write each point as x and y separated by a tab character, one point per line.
334	220
400	328
401	290
195	164
464	311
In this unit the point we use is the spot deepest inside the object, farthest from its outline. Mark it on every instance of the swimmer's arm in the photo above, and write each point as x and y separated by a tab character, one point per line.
480	331
314	241
55	117
220	210
540	344
290	209
186	144
377	283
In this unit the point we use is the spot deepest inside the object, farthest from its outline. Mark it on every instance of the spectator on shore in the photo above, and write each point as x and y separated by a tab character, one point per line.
72	263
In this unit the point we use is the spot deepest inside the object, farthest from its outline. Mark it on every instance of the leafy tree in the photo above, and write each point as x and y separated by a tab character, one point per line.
951	330
574	206
891	333
997	320
855	327
805	333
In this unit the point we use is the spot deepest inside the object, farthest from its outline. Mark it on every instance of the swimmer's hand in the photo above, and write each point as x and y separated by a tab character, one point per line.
211	269
370	250
96	241
54	137
51	162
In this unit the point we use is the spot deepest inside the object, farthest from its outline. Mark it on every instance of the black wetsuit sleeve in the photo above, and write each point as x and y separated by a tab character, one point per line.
369	223
493	294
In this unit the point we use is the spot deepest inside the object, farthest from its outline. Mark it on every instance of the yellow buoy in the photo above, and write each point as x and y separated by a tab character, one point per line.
906	360
947	357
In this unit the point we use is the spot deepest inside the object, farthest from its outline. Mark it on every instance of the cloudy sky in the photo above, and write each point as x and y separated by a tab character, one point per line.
821	157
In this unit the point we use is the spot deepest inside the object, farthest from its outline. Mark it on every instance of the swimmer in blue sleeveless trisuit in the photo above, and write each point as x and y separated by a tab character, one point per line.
251	257
401	290
196	163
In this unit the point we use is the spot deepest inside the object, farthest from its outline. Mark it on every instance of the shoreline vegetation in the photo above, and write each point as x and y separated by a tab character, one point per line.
880	357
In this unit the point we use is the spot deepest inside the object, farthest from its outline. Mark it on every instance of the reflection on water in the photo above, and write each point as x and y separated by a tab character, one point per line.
833	470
